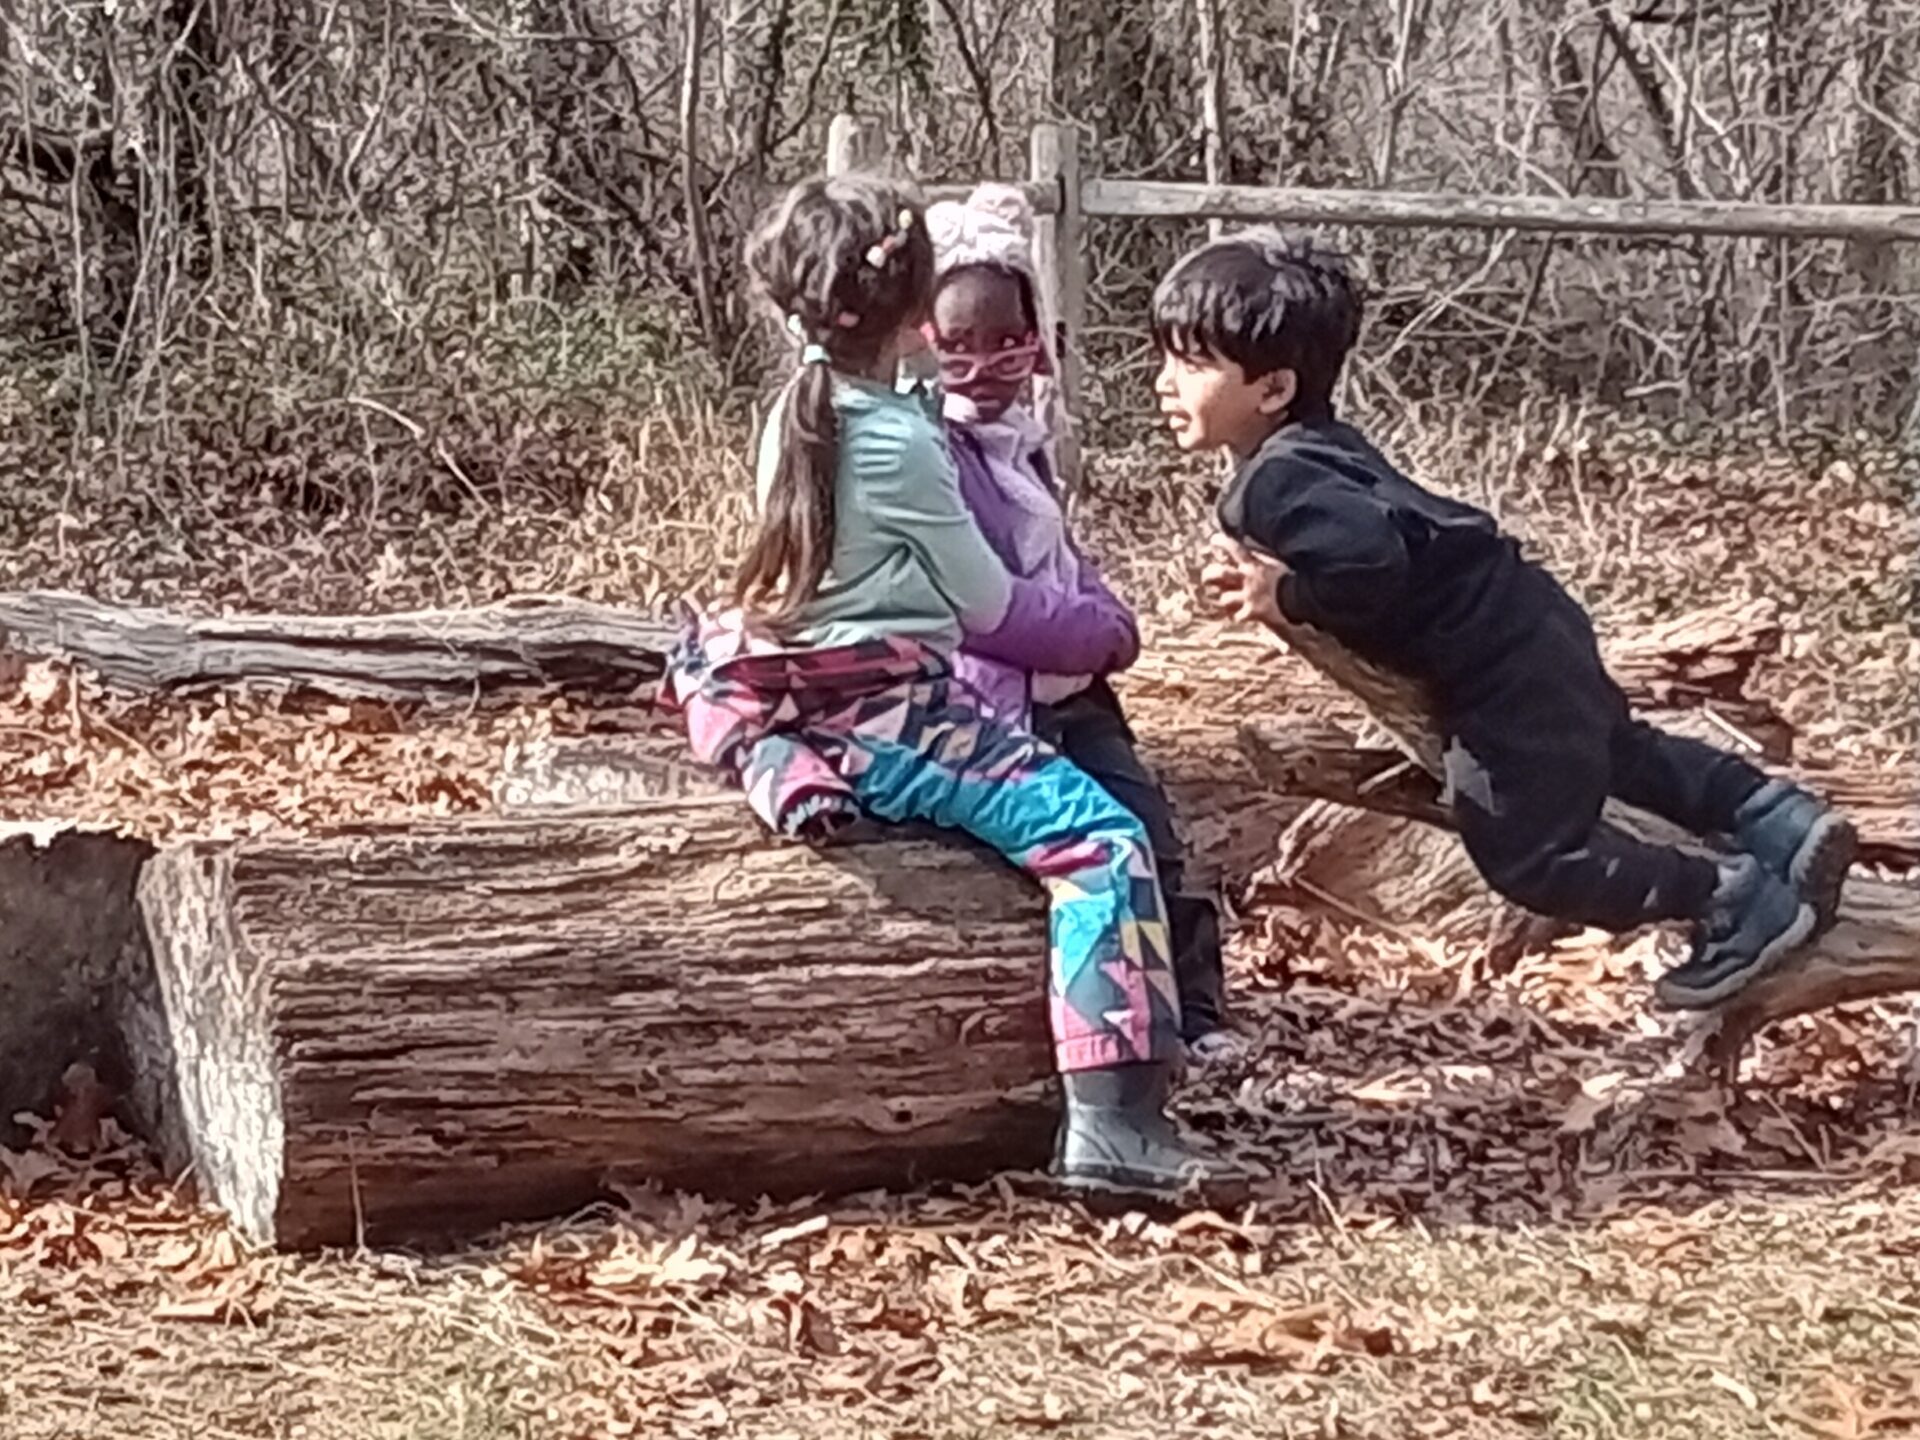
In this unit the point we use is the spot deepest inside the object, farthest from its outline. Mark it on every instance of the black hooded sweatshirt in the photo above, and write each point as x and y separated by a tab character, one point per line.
1422	584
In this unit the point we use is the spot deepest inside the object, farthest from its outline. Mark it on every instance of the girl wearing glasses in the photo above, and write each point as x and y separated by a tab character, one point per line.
990	343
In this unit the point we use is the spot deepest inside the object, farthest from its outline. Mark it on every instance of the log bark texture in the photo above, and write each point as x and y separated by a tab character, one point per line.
1412	880
1874	950
414	655
595	773
417	1032
1321	762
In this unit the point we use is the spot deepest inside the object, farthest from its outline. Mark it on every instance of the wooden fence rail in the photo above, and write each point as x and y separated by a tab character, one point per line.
1065	202
1147	199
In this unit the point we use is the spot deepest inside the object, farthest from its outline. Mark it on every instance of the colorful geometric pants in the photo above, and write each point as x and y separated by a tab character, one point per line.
925	752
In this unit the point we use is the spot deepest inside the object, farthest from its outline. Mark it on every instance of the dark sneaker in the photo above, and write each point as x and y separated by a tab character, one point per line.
1115	1137
1217	1051
1755	922
1800	840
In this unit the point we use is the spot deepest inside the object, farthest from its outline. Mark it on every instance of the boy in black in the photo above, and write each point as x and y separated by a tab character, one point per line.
1253	330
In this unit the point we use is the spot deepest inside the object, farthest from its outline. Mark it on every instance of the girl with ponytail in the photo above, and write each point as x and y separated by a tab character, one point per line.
832	692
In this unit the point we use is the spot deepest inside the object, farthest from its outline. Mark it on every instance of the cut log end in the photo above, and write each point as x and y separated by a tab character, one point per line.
211	1038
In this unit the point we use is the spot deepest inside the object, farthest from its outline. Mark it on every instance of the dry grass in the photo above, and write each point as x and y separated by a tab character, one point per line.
1495	1218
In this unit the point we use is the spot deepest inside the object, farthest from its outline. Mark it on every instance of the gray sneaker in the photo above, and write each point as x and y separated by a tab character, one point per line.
1217	1051
1755	922
1801	840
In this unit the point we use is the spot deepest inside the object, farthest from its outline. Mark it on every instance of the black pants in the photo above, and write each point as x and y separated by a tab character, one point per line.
1091	730
1535	746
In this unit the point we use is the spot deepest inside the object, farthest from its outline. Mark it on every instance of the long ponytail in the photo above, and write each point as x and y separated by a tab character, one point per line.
845	264
795	541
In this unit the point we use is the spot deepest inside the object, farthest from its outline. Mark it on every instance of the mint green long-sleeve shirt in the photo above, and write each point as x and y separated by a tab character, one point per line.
908	559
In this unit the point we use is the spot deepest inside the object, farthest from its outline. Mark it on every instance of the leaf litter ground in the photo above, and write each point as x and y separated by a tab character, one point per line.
1499	1215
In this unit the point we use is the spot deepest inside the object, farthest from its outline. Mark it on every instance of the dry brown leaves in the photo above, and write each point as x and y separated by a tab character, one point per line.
226	764
1836	1409
77	1233
714	1313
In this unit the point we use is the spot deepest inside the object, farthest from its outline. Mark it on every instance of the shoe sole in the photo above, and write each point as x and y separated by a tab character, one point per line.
1125	1182
1819	868
1684	997
1101	1198
1226	1056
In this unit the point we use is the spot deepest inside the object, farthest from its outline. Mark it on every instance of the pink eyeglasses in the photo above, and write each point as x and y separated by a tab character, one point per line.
961	367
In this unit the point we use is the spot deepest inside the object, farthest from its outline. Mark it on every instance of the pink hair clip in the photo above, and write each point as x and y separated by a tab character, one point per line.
882	250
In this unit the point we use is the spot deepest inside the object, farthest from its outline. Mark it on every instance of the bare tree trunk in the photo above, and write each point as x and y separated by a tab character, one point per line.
700	243
1576	110
1875	162
977	76
1653	97
769	81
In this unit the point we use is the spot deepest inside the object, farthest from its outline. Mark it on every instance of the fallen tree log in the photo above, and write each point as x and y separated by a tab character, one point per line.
1412	881
1320	761
412	655
421	1031
1703	658
1351	850
1874	950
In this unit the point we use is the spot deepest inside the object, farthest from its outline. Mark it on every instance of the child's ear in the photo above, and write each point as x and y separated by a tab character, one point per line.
1281	386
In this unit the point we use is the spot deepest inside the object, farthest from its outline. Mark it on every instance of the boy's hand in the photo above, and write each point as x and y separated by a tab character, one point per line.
1242	584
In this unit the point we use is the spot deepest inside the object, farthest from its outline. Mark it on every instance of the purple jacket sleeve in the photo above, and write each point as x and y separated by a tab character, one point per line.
1094	586
1064	632
1082	631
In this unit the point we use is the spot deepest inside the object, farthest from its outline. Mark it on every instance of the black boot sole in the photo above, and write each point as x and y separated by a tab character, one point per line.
1819	868
1103	1200
1673	991
1119	1193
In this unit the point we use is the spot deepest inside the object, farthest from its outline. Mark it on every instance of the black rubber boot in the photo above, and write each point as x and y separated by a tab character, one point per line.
1797	837
1115	1136
1756	920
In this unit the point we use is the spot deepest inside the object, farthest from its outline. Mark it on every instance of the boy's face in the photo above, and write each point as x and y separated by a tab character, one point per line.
1210	404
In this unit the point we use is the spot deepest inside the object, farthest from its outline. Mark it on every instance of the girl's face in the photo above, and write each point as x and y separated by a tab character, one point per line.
984	338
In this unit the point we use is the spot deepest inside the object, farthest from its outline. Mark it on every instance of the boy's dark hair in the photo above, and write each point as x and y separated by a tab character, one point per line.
1267	301
845	263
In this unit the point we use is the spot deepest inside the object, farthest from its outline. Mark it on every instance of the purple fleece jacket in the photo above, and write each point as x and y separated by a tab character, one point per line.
1083	630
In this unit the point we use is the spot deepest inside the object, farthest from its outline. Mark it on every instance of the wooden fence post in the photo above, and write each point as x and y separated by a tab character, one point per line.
1213	95
852	144
1060	242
